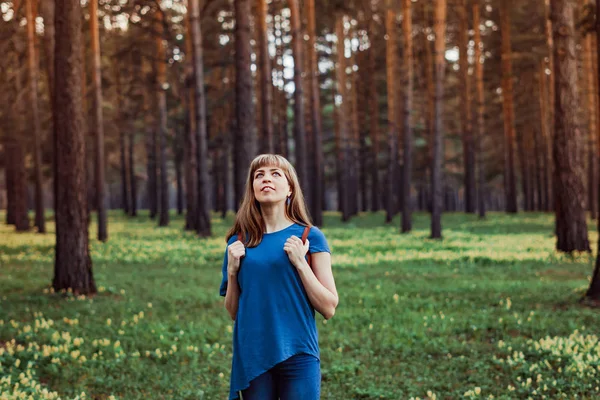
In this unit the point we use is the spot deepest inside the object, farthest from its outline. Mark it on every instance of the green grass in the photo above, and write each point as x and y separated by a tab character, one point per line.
472	316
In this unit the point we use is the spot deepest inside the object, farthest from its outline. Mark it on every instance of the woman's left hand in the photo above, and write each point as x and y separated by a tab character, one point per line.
296	250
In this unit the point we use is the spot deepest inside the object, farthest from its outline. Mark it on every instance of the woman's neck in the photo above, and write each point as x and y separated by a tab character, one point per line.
274	217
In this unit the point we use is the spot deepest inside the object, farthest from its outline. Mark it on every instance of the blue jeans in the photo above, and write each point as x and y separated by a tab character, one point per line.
297	378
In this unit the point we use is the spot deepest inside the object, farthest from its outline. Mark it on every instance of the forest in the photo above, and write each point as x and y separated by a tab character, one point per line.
449	150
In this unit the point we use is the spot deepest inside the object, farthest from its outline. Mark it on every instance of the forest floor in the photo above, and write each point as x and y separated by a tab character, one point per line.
491	311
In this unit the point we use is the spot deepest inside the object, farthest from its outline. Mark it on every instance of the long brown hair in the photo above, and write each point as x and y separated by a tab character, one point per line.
248	220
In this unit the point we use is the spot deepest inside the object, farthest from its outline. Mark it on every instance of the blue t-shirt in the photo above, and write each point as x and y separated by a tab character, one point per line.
275	319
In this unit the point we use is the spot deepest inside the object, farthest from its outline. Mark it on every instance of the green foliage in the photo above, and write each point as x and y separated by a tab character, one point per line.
489	312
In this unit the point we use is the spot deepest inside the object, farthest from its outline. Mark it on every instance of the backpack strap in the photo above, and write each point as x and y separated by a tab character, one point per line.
304	237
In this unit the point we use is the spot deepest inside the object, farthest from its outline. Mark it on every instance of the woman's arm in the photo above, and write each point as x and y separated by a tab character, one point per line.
319	283
233	295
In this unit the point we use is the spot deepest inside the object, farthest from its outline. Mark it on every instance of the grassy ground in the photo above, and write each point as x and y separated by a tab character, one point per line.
489	312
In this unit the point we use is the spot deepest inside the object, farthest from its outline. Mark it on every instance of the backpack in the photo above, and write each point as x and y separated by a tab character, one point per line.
240	237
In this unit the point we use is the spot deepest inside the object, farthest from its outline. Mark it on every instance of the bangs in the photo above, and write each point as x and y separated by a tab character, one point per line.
269	160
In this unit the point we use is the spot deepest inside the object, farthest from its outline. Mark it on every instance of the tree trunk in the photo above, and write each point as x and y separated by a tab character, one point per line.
480	109
593	291
150	120
591	92
353	157
438	149
178	160
266	86
245	132
407	117
73	265
544	138
340	120
98	124
549	162
190	159
203	227
122	142
160	92
32	63
47	12
373	119
299	130
132	178
391	71
465	100
571	225
315	107
508	109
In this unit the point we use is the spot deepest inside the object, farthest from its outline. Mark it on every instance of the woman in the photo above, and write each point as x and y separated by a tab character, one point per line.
271	291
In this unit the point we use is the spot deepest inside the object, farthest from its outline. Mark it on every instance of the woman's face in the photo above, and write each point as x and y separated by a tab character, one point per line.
270	185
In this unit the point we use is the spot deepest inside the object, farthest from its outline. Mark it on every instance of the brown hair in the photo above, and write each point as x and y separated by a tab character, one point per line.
248	220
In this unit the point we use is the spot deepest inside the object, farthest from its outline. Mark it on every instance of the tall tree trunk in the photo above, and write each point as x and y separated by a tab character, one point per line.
544	138
132	177
341	114
508	109
591	92
299	130
9	176
353	157
160	92
465	100
569	191
373	118
438	149
122	141
73	265
480	109
593	291
407	117
203	210
98	124
151	121
266	86
178	161
391	70
190	159
47	12
315	107
550	115
35	116
245	132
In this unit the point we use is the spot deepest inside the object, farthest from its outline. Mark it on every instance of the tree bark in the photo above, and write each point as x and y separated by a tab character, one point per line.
132	176
340	120
315	106
265	78
591	94
391	71
373	118
160	92
481	187
190	158
508	109
32	63
438	149
98	124
299	129
550	110
569	191
465	100
407	117
593	291
203	227
245	133
73	265
122	141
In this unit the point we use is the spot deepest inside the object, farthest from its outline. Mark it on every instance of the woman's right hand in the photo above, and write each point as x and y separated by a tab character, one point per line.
235	252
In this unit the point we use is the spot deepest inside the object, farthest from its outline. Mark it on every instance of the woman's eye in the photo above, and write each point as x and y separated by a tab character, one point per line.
258	175
276	173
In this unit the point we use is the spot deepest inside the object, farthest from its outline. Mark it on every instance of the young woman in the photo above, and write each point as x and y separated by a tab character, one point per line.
271	291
